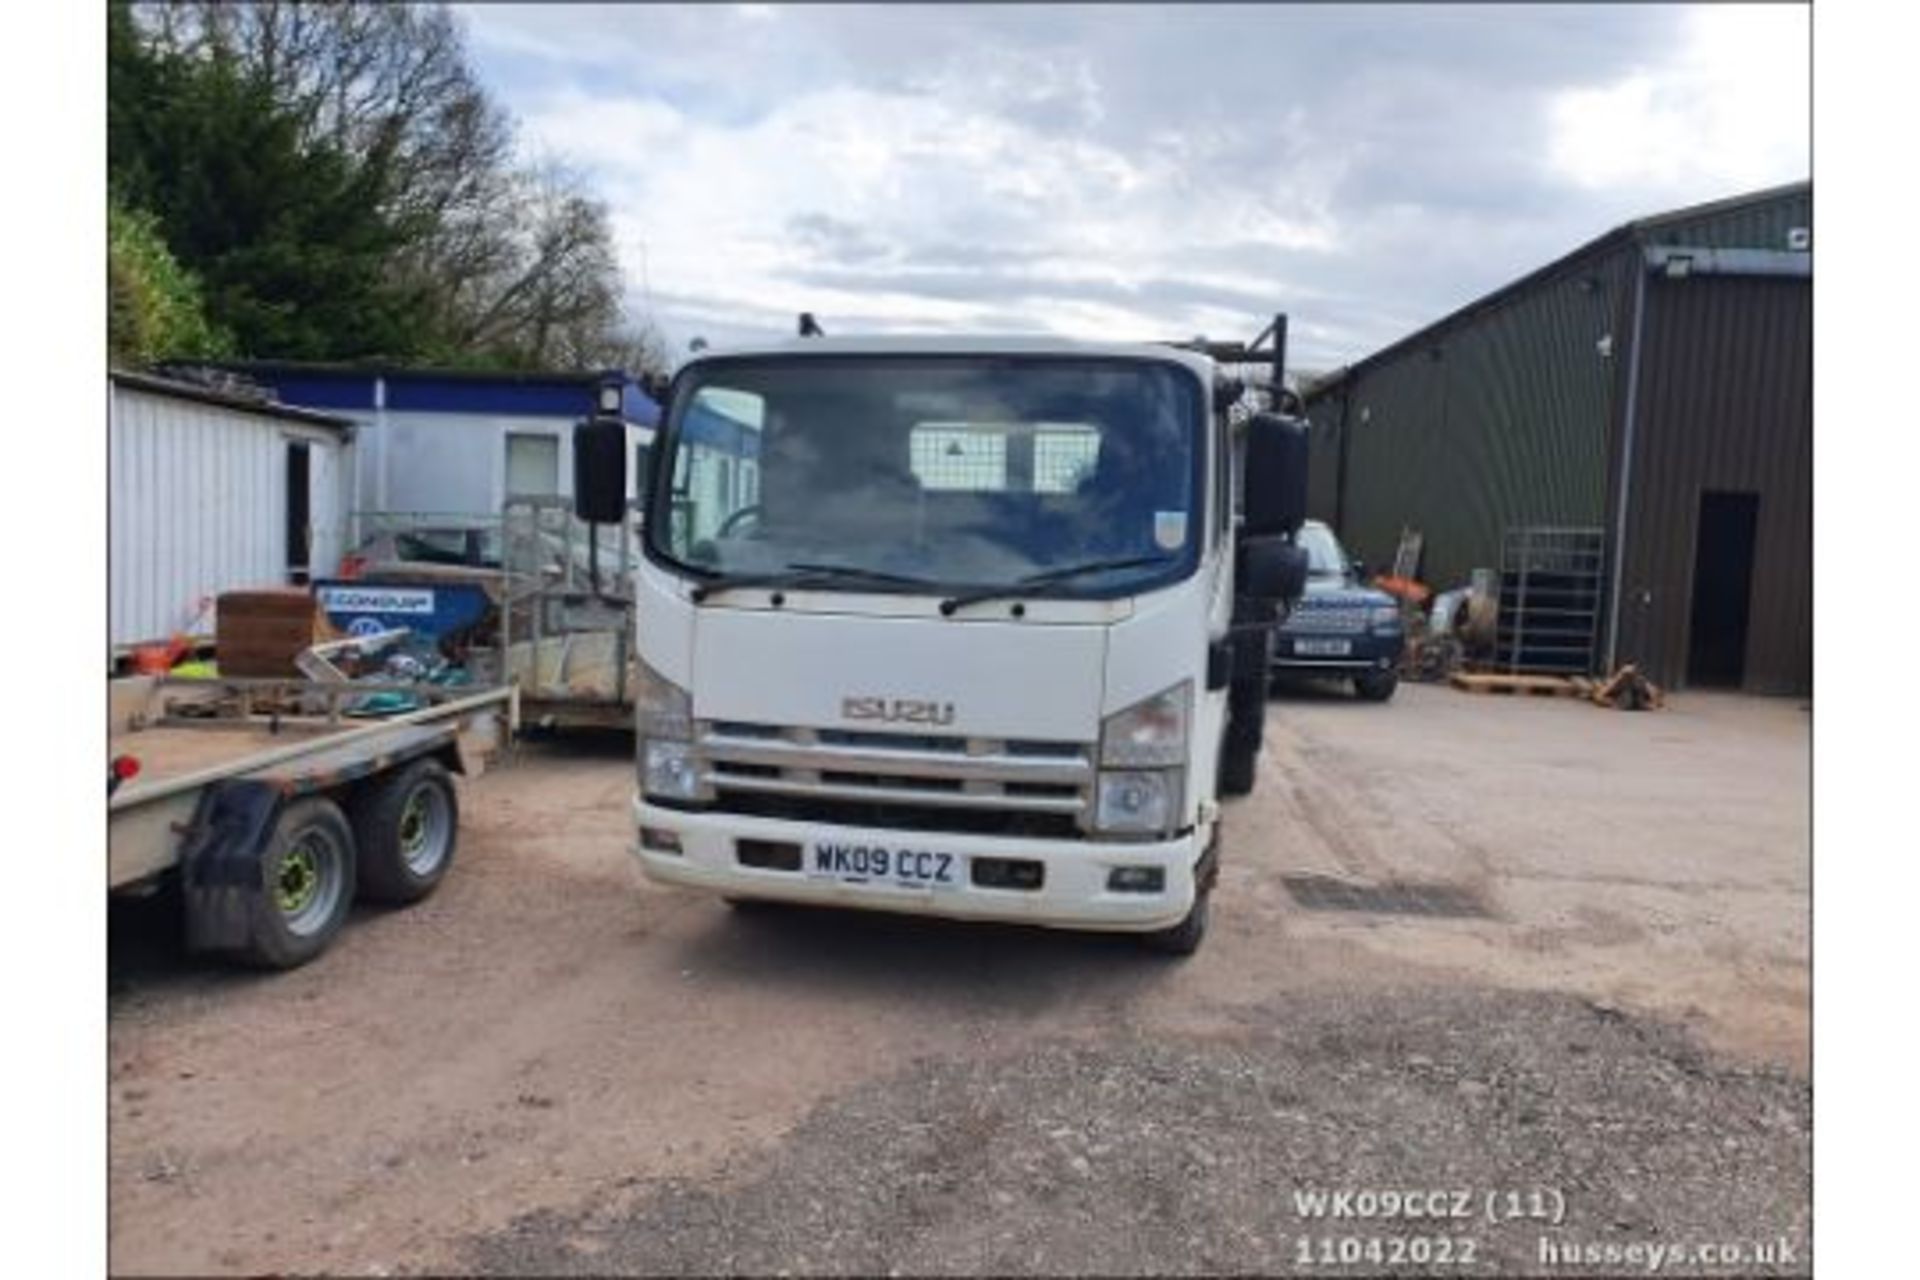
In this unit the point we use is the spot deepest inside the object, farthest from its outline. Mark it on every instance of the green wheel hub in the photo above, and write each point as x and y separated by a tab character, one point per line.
310	880
299	879
414	826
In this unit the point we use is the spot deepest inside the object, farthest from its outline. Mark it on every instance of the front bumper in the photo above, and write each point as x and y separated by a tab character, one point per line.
1366	651
1073	893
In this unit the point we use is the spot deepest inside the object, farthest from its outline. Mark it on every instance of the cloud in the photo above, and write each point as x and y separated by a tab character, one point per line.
1730	106
1128	171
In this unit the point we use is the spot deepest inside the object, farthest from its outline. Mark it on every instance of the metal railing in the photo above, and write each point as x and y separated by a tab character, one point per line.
568	611
1550	591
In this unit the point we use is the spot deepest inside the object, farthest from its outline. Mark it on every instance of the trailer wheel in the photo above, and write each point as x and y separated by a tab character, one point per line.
306	887
407	825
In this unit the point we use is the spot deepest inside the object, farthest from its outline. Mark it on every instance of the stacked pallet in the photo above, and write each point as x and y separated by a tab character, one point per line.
1501	682
1625	690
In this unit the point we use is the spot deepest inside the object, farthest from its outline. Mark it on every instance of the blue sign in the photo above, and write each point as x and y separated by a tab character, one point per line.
367	606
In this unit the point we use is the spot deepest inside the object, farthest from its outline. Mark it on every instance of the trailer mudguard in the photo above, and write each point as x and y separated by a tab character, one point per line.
220	860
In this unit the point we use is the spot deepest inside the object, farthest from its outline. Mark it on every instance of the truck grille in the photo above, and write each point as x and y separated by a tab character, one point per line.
913	780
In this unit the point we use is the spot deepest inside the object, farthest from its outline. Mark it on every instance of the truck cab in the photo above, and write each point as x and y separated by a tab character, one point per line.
949	627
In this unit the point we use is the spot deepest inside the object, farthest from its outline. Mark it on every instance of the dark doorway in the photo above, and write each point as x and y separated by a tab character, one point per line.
299	511
1722	588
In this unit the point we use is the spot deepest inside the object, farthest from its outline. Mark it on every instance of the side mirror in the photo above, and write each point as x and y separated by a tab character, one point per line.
600	470
1275	569
1274	479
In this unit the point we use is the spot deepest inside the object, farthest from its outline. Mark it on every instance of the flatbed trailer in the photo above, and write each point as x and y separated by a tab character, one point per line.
275	806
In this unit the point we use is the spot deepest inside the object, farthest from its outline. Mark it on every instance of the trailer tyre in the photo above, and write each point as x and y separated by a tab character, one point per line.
306	887
407	825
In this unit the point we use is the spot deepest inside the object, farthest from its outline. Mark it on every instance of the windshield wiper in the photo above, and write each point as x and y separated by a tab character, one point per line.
805	573
1018	586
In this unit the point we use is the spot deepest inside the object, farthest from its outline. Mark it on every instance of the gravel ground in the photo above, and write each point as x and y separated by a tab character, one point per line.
551	1065
1183	1155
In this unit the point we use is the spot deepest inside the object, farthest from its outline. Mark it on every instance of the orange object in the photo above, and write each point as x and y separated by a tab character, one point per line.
158	659
1403	588
152	660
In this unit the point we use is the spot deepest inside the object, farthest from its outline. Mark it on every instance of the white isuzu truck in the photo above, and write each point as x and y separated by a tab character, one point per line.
965	628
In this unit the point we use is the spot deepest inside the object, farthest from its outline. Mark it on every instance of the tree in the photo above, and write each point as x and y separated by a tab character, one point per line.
554	294
291	239
154	305
500	264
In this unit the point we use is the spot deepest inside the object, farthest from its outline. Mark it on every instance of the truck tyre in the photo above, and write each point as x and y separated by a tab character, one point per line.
306	885
1246	727
1183	939
1376	686
1239	765
406	824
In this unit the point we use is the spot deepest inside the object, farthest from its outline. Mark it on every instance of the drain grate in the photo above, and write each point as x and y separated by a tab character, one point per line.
1400	898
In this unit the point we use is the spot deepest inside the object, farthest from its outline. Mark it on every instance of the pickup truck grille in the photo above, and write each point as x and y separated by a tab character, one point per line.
922	781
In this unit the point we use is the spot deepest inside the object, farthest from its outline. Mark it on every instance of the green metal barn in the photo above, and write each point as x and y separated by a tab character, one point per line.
1651	391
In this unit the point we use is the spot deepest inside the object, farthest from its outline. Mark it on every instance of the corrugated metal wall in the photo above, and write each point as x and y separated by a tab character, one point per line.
1323	459
1751	224
1497	421
1725	404
196	505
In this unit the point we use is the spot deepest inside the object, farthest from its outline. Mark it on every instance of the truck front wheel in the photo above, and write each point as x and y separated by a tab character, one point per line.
306	887
1183	939
1239	767
406	825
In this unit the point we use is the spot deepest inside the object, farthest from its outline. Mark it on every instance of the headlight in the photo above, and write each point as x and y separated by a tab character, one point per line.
1136	800
668	769
668	766
665	709
1152	733
1383	617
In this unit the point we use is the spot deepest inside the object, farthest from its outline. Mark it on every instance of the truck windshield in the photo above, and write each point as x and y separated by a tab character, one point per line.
920	473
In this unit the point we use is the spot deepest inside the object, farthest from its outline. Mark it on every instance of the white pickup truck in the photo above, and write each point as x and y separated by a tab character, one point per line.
950	627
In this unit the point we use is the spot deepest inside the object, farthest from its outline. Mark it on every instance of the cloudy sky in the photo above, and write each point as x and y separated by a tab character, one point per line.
1135	171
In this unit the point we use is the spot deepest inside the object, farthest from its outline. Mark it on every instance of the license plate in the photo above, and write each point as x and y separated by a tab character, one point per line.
905	868
1323	648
